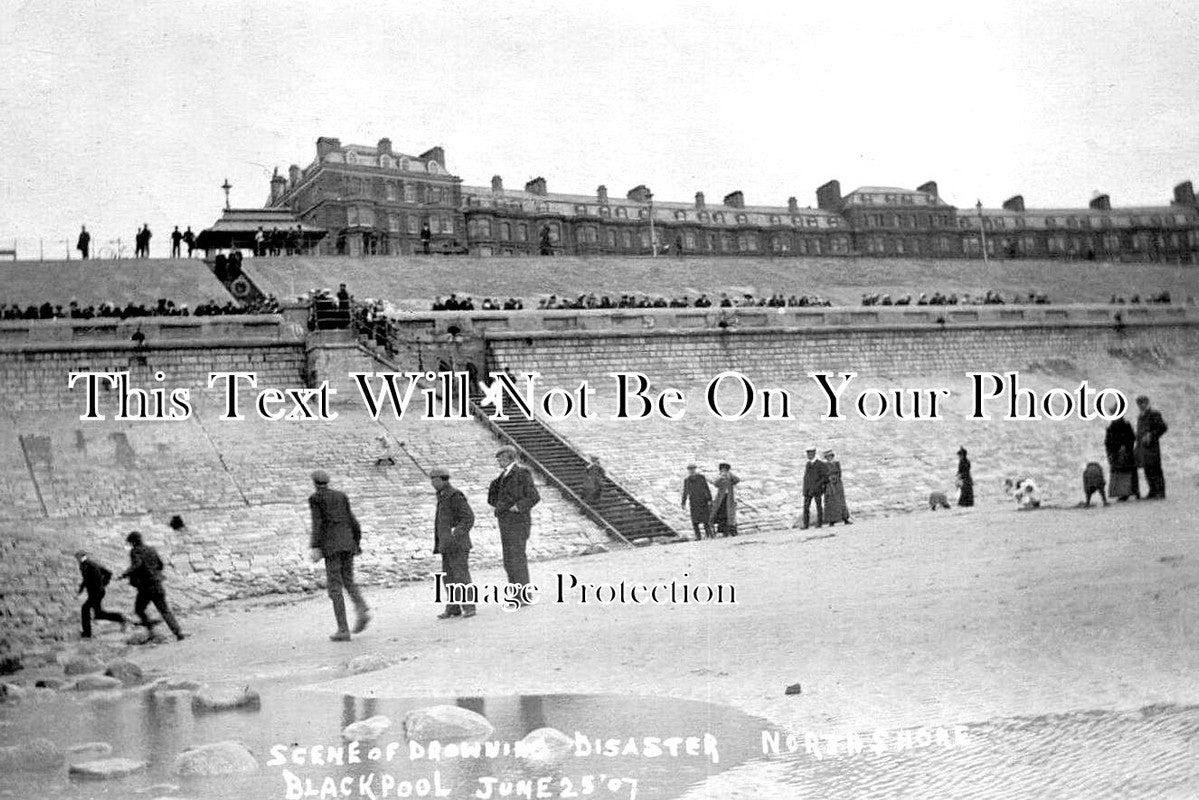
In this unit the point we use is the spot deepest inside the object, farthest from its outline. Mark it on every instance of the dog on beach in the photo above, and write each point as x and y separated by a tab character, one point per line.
1024	492
937	500
1092	482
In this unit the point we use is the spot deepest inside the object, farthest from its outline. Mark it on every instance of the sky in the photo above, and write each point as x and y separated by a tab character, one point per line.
117	114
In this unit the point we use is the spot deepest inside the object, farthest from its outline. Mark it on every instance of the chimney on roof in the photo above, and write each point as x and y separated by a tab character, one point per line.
536	186
278	186
734	199
293	174
793	205
326	145
699	201
1101	203
497	184
1184	194
930	187
1014	203
384	147
639	194
601	195
435	154
828	196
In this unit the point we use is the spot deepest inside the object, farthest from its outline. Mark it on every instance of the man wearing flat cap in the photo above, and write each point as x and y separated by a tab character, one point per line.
336	537
513	495
451	537
815	479
696	491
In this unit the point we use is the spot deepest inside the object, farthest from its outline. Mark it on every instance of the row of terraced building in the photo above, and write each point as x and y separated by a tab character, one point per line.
378	201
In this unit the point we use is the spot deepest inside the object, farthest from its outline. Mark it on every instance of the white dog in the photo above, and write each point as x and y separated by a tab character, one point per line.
1024	492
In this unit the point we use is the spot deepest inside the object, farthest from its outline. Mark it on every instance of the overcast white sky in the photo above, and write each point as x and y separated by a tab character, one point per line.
117	113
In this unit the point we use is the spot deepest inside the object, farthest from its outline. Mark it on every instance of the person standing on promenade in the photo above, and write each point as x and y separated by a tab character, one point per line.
1120	442
176	241
1150	429
337	538
964	480
145	575
84	243
95	579
724	507
451	537
695	489
835	508
512	494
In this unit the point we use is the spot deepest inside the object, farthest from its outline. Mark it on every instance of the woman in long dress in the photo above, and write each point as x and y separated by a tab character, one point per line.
965	481
1119	442
835	509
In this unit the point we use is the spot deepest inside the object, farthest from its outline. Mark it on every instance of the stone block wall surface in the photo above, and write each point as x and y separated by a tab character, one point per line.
890	464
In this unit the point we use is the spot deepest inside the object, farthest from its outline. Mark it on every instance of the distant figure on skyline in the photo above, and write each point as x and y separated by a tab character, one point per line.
84	243
176	239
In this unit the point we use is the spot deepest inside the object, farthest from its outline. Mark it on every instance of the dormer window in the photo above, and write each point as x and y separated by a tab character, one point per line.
387	162
742	219
351	157
680	215
433	168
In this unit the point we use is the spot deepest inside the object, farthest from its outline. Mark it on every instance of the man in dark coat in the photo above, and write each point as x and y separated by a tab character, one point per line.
145	575
95	579
965	480
337	538
512	494
426	236
815	478
451	538
1150	429
176	241
189	239
146	240
84	243
695	489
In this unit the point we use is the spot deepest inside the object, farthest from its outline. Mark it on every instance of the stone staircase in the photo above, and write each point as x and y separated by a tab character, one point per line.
617	510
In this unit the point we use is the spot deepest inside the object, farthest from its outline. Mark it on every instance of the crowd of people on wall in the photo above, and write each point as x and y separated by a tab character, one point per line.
163	308
141	242
990	298
1161	298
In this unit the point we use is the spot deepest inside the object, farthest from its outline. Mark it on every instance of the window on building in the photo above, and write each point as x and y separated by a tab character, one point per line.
817	247
555	232
505	231
413	225
352	216
604	211
393	223
522	232
351	157
644	237
405	164
581	210
622	212
718	217
680	215
392	192
689	240
434	168
626	238
610	237
386	161
409	193
704	216
742	219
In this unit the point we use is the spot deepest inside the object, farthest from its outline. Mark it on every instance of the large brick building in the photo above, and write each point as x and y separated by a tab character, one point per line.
375	201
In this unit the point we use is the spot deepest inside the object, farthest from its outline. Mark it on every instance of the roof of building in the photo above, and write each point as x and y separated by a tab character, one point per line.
237	226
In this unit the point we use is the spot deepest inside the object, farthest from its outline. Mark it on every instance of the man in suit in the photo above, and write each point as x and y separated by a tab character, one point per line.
1150	429
95	578
145	575
815	477
451	537
695	489
337	537
513	495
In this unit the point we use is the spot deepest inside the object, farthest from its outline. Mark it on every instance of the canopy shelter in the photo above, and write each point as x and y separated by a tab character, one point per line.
236	228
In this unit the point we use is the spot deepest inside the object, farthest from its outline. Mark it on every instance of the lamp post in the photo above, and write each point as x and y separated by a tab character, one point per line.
653	239
226	186
982	232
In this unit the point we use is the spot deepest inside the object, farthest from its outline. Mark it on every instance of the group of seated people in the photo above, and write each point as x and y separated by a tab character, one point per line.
991	298
591	301
456	303
1161	298
163	308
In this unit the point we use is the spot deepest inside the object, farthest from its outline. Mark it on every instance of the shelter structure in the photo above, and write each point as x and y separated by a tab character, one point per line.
238	227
